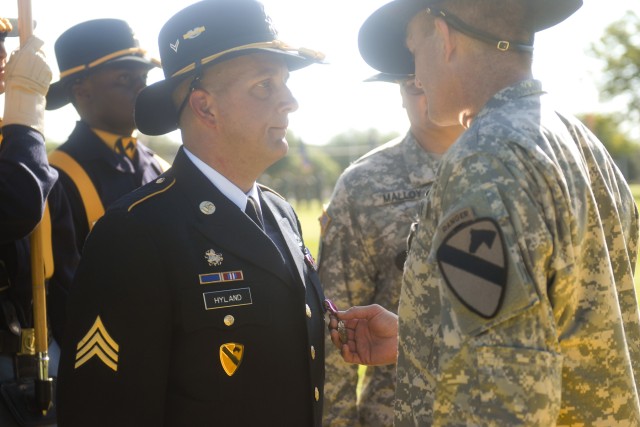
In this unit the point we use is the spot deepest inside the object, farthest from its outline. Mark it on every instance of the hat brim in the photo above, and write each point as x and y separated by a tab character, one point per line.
553	12
382	37
155	112
388	78
58	94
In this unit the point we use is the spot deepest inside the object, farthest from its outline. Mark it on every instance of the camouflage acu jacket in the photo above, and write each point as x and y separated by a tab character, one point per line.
518	306
365	231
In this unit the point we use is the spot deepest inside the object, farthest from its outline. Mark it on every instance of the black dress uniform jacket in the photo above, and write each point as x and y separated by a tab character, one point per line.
25	182
113	176
173	279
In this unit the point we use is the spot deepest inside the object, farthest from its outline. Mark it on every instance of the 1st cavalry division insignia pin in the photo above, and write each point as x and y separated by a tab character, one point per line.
231	357
473	262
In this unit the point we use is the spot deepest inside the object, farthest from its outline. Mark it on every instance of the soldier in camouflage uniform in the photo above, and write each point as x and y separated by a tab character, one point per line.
518	305
363	248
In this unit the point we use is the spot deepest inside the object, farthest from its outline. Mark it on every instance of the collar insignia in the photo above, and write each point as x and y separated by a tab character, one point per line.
97	342
231	357
207	207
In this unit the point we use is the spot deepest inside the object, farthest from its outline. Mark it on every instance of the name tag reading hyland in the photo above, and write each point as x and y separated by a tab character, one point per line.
230	298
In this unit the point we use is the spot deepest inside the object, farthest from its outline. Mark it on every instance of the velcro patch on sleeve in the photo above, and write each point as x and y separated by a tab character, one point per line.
473	261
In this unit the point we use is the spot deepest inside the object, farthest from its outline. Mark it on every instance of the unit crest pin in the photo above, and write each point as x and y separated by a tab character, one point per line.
207	207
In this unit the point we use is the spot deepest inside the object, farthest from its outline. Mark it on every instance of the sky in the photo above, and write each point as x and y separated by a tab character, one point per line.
332	97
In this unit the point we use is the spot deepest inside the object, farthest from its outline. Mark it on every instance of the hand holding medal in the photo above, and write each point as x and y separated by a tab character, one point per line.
365	335
331	308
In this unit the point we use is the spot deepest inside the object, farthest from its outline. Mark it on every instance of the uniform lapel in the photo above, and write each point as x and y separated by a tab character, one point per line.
227	226
290	237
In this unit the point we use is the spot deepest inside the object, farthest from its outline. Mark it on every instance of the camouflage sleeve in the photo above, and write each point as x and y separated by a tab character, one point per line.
628	213
619	217
345	272
499	363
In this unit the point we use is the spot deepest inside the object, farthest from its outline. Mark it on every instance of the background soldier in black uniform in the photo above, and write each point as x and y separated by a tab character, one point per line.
102	69
185	310
25	181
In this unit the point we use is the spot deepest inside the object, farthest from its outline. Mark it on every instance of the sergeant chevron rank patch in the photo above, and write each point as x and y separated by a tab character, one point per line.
97	342
473	262
231	357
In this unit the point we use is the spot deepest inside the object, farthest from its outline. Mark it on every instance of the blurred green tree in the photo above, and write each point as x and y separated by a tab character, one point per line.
348	146
305	174
625	152
619	48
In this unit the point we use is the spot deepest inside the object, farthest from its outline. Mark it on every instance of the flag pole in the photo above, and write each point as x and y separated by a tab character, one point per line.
43	383
25	20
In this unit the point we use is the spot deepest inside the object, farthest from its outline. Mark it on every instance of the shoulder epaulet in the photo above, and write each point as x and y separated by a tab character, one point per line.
159	186
271	190
93	206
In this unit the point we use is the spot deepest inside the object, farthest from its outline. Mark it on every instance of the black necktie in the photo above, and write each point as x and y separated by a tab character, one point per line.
252	211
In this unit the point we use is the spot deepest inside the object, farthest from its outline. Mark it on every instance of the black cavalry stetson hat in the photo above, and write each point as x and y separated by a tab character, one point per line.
381	39
388	78
89	45
203	34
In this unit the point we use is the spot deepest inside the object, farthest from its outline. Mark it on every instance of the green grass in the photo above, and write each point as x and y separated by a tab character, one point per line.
635	190
308	213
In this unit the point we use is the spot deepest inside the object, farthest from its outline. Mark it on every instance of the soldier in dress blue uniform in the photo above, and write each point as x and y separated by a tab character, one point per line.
196	301
102	69
25	181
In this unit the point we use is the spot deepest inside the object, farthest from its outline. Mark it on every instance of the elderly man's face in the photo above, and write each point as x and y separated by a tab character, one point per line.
252	104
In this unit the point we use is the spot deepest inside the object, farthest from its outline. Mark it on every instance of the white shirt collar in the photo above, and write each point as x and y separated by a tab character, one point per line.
226	187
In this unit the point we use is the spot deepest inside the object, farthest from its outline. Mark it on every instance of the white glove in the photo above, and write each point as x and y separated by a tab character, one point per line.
27	79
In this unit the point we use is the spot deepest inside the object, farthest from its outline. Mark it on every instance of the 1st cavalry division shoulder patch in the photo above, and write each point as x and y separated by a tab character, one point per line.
231	356
473	262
